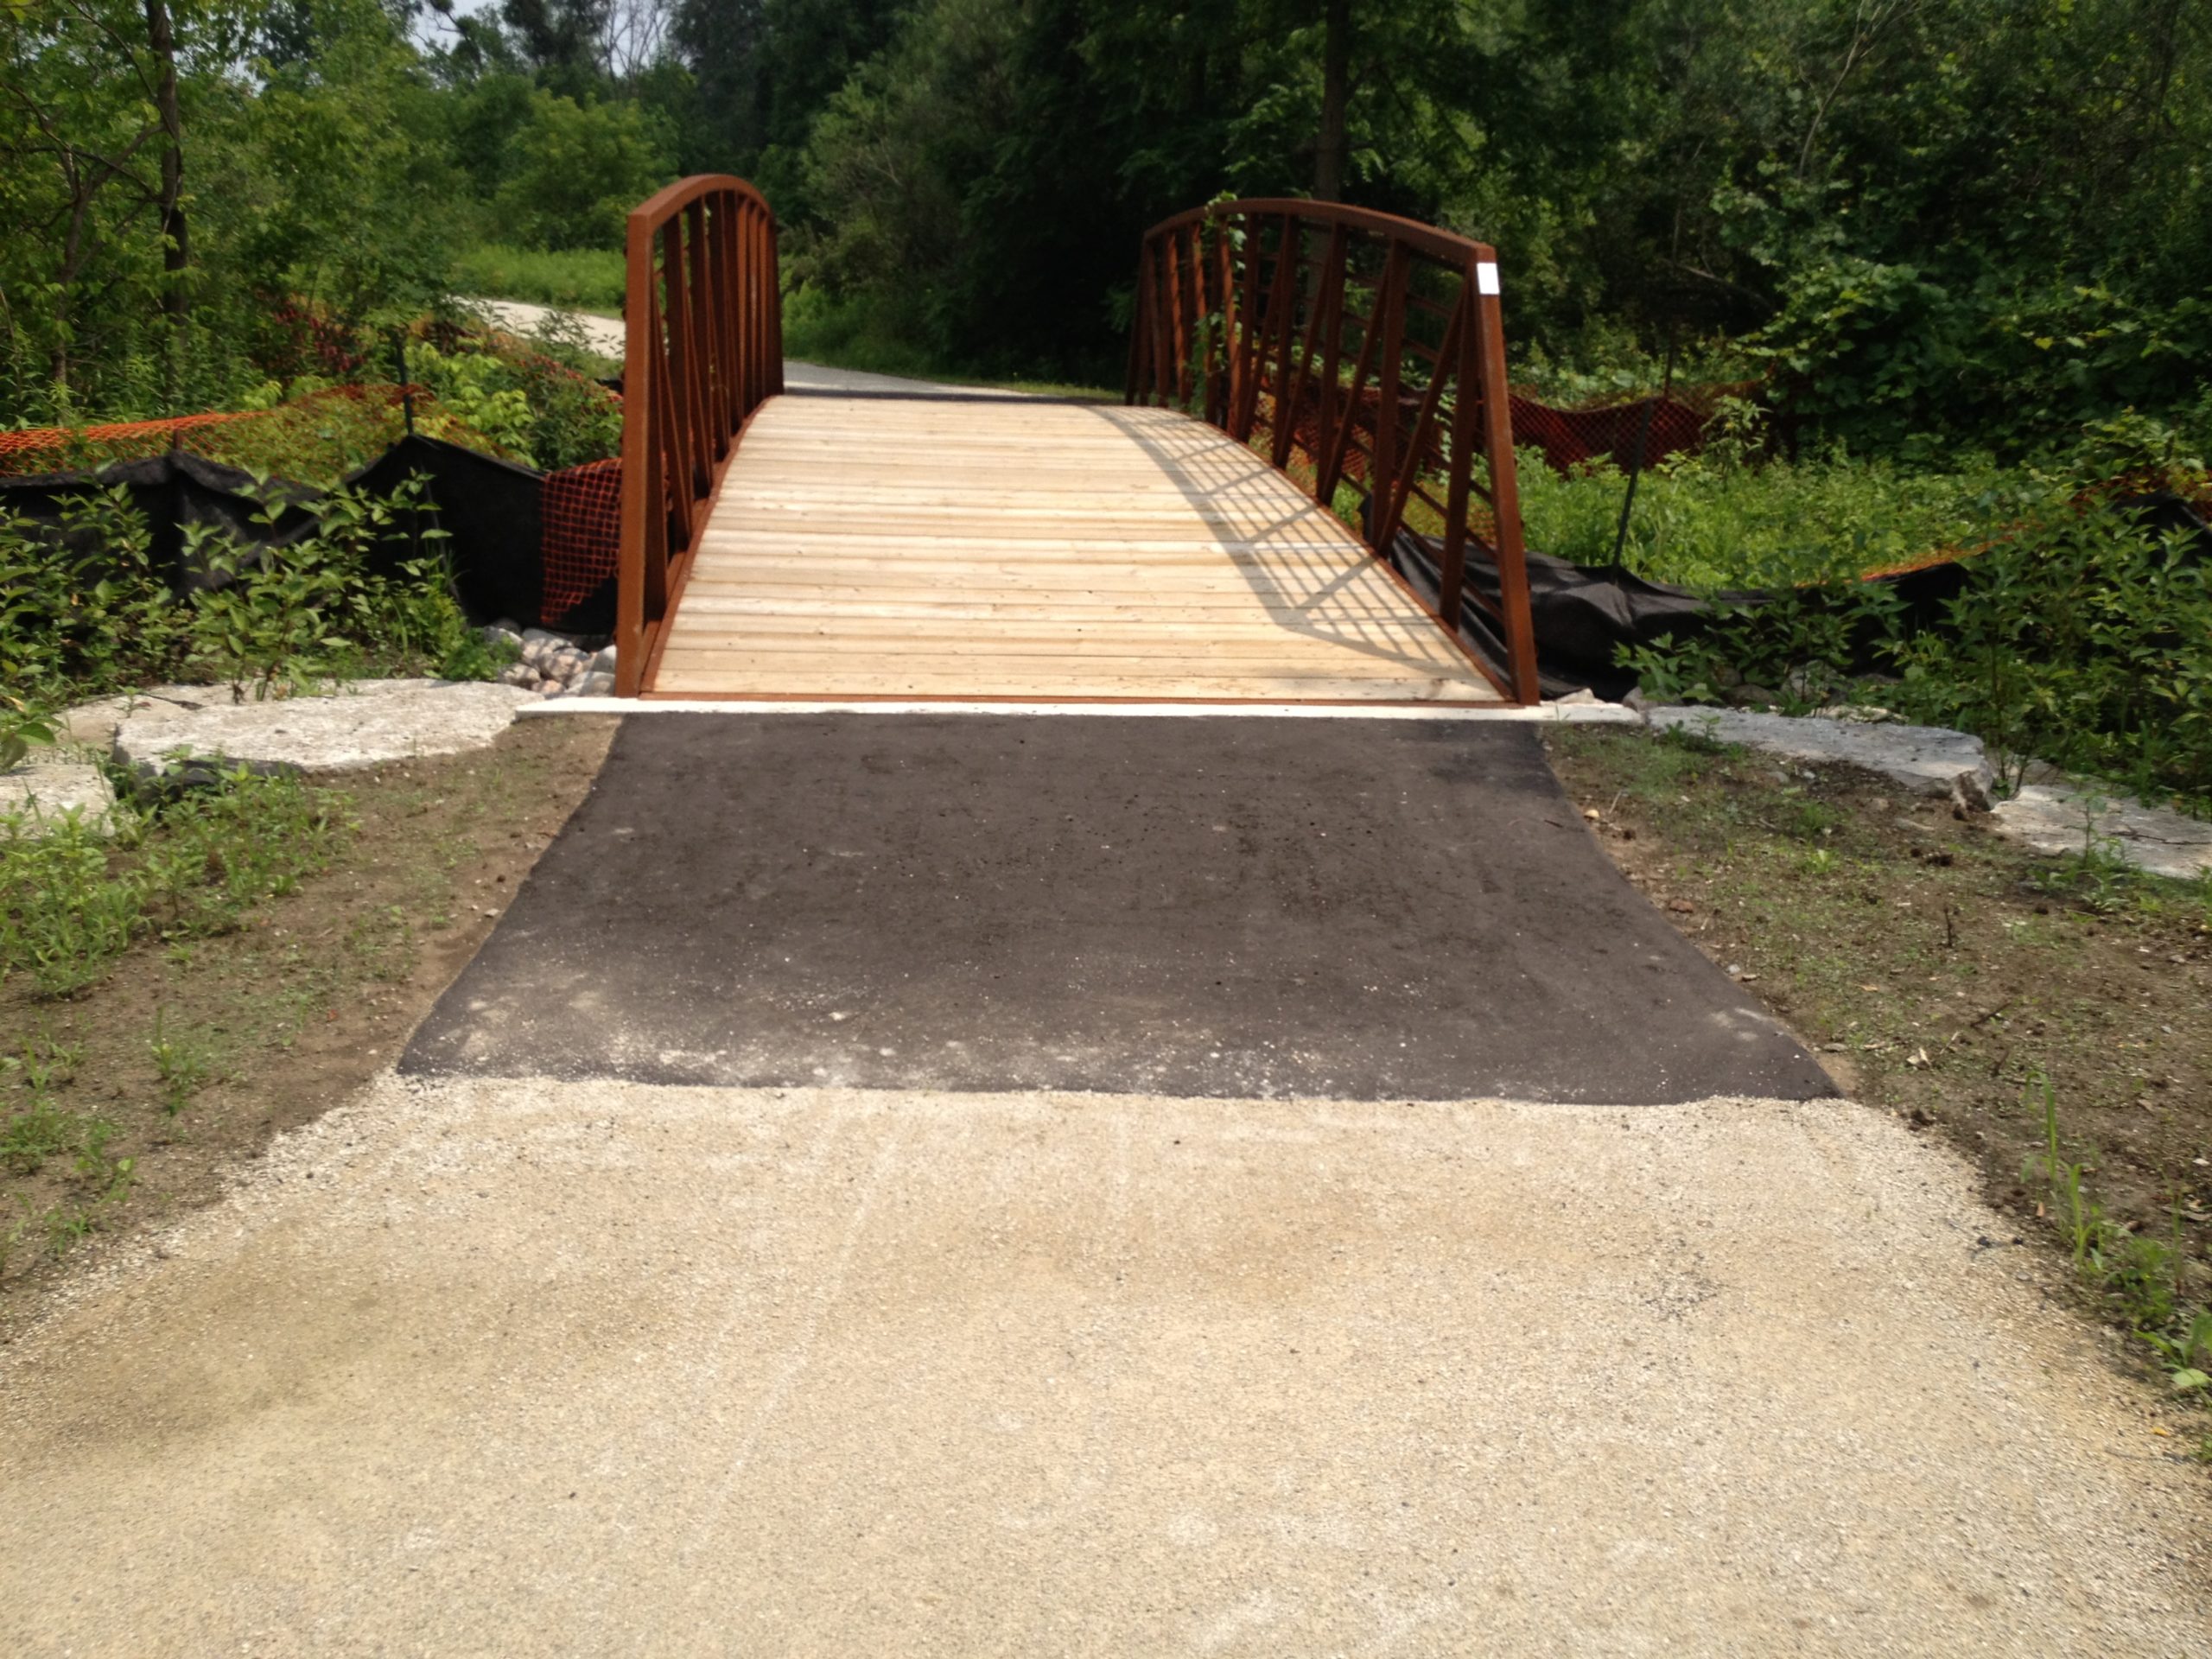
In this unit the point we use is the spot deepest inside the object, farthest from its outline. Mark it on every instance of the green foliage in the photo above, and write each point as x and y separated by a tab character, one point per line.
185	1062
364	589
315	176
73	901
63	921
575	170
1723	520
87	610
591	278
288	614
527	401
1795	651
2139	1275
2077	638
2080	639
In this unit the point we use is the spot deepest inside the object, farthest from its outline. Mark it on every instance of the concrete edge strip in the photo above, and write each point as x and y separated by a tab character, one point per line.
427	1081
1576	714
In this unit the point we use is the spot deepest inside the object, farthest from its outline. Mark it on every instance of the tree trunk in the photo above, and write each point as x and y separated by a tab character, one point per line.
176	249
1333	155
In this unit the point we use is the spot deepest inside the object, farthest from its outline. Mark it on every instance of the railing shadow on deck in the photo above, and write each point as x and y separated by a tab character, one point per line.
705	349
1326	599
1369	347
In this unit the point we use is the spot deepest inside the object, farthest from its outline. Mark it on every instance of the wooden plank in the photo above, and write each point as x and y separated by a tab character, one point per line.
685	673
1200	646
908	548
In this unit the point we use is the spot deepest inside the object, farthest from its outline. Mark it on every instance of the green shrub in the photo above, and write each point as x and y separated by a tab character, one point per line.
2082	640
64	918
289	615
2078	638
85	608
536	402
84	612
574	170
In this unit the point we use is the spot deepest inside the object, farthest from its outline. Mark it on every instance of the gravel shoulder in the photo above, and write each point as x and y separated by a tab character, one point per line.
535	1367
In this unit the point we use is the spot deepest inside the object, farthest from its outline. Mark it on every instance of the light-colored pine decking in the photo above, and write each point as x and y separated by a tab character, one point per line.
874	547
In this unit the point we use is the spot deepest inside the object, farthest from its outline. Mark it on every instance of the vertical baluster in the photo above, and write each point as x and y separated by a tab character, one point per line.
729	312
1177	323
1224	380
1163	350
707	284
1331	470
674	449
1466	369
773	299
1390	308
751	381
638	506
1284	314
1245	391
1199	319
1424	424
1332	261
698	354
1140	327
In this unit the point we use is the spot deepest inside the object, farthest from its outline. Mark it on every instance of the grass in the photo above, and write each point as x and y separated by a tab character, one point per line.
1706	522
2052	1019
585	279
286	935
73	901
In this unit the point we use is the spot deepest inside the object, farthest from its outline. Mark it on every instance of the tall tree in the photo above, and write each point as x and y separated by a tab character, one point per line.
1332	154
177	248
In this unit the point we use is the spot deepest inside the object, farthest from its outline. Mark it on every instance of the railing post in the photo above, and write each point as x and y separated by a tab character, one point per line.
1282	310
1504	489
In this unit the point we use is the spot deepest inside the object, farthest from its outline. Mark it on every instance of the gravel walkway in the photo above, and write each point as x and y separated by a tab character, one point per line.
529	1367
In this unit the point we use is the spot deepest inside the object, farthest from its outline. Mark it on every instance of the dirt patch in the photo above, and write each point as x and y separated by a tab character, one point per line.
1934	967
195	1053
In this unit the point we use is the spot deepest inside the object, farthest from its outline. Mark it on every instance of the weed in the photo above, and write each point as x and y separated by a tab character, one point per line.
40	1131
222	852
184	1062
2140	1274
63	919
1729	519
70	904
1810	820
20	730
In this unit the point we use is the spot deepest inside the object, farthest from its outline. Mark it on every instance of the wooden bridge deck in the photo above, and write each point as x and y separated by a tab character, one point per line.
868	546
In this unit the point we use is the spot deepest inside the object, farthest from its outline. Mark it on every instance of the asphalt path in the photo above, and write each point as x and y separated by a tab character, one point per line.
1233	906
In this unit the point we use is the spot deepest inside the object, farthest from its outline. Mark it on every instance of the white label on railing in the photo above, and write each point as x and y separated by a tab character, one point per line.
1486	277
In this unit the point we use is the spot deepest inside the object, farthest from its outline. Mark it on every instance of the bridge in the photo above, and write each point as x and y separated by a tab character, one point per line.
1307	495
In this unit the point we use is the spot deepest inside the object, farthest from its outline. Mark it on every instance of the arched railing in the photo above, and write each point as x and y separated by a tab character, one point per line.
705	349
1363	353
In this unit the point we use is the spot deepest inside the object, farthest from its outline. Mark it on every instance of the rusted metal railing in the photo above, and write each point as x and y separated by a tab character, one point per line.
705	349
1365	353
